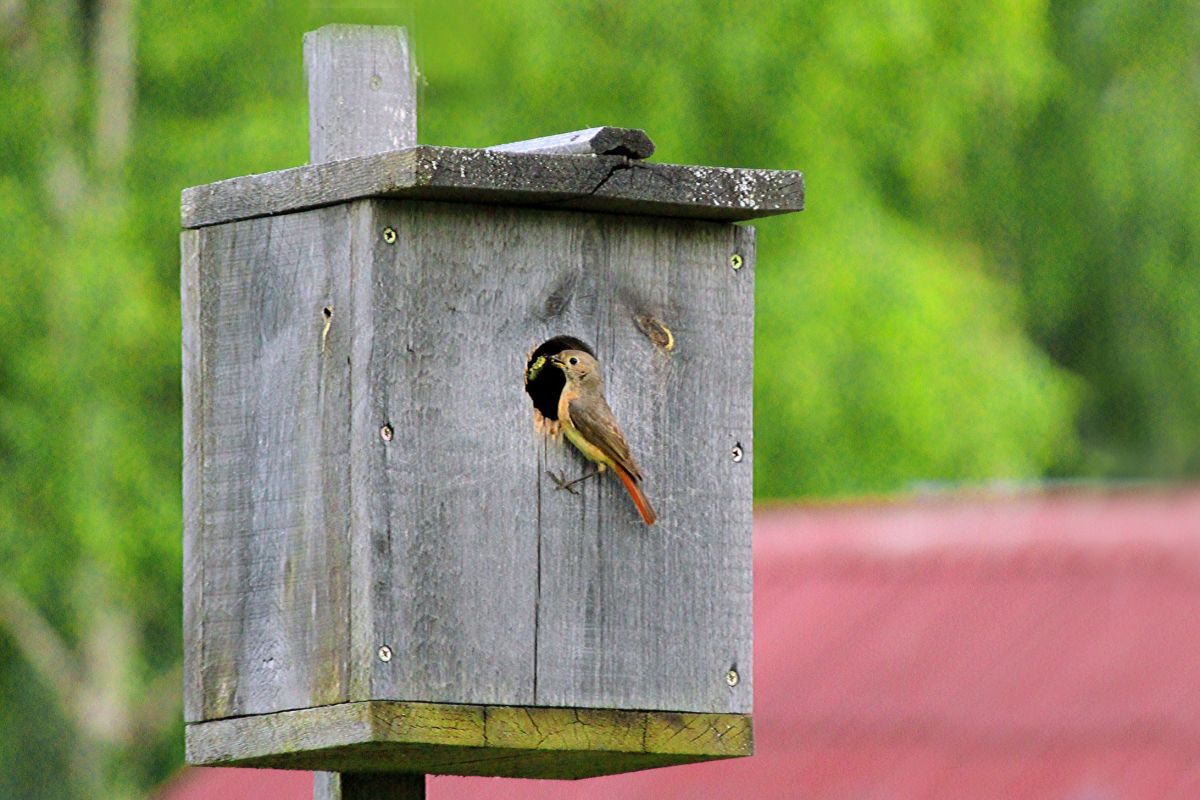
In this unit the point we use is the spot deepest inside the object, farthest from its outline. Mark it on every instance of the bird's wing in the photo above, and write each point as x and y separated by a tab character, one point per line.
594	419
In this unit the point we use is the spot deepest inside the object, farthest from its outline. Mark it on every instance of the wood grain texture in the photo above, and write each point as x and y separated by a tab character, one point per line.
630	616
367	786
193	459
269	545
612	184
718	734
361	94
425	600
566	728
531	742
317	542
500	589
455	552
370	538
362	100
602	141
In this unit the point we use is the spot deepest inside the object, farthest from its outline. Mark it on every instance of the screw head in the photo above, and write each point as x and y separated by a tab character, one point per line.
386	433
737	453
736	262
389	235
732	678
385	653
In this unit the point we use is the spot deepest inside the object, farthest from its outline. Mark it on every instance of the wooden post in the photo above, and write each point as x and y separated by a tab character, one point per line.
367	786
361	100
361	95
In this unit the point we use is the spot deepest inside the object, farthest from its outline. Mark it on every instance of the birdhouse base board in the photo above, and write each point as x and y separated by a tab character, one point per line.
444	739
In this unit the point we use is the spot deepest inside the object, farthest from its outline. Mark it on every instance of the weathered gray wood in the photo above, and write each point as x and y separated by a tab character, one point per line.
274	431
370	538
361	93
604	183
608	590
362	100
602	141
508	741
455	550
319	542
379	576
629	616
367	786
193	457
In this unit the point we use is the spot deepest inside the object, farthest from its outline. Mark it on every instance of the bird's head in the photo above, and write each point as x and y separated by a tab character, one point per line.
579	367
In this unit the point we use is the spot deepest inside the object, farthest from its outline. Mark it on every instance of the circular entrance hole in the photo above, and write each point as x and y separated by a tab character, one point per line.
544	383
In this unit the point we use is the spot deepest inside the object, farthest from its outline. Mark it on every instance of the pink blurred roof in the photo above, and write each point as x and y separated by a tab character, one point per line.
978	646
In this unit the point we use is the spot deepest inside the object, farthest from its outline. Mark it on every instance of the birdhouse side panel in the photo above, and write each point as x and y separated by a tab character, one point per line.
267	405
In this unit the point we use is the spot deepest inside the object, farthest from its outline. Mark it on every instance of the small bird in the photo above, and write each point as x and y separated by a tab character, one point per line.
589	423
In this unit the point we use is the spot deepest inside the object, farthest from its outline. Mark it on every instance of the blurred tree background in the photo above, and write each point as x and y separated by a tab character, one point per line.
995	279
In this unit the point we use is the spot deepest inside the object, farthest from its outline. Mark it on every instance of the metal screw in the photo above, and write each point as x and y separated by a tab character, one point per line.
732	678
386	433
735	261
389	236
737	453
385	653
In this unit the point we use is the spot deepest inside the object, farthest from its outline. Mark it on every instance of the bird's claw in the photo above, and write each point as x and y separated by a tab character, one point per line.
561	482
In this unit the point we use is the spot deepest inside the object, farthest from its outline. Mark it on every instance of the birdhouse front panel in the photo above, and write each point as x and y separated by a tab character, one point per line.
491	583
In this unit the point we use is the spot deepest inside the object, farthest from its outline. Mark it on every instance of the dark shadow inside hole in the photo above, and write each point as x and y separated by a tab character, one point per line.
544	383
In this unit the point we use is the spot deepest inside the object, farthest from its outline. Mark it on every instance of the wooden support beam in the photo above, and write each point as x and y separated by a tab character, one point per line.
367	786
361	96
602	141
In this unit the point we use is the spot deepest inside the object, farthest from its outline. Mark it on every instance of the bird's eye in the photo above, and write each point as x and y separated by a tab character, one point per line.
572	360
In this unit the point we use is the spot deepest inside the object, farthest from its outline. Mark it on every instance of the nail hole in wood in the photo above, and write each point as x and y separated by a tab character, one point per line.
328	312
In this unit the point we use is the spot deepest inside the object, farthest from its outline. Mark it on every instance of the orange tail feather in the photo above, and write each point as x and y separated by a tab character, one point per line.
639	498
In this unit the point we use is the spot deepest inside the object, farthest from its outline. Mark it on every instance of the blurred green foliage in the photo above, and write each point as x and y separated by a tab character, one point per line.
994	278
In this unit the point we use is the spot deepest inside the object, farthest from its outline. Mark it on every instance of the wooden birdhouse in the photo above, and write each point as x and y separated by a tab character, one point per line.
381	575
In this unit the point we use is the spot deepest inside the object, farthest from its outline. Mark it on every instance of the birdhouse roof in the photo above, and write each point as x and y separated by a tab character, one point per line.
606	183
